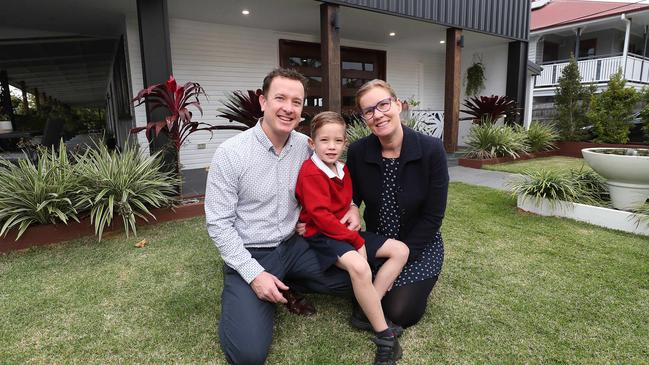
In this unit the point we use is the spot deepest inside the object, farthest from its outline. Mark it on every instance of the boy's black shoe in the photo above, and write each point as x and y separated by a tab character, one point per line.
359	321
388	350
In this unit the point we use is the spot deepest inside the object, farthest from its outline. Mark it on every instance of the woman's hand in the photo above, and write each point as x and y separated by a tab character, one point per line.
352	219
300	228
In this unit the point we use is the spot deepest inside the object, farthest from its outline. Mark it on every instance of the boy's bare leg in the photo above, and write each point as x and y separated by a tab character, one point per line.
396	253
361	276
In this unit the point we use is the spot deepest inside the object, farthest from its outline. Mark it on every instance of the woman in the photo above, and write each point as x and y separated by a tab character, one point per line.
402	178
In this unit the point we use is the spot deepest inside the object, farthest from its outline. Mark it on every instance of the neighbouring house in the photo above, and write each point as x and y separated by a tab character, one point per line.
604	36
102	52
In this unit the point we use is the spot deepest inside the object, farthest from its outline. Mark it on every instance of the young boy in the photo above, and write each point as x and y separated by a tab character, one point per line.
324	189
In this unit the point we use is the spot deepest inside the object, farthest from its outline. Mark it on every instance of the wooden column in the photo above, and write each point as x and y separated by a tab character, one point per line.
23	88
330	55
452	89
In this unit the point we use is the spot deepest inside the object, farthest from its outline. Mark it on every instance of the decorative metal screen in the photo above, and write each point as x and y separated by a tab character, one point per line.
430	122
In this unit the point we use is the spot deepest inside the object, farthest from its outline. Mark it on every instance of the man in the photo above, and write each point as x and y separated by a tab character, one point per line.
251	212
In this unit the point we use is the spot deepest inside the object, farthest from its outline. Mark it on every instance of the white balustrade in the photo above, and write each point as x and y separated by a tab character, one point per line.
597	70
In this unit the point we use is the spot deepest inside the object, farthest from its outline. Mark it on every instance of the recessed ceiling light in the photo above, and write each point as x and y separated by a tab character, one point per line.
442	42
245	12
392	34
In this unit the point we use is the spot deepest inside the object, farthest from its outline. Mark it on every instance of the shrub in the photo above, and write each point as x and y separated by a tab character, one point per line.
611	111
541	137
571	103
46	192
491	107
126	183
554	185
490	141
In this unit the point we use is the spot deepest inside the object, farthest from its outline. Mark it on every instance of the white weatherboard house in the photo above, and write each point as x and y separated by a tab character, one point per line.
102	53
604	36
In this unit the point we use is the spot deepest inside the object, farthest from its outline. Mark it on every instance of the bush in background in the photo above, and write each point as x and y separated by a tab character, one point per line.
488	140
126	184
541	137
612	110
571	103
45	192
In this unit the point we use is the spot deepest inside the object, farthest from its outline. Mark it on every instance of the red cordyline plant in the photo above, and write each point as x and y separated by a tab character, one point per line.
176	100
242	107
488	109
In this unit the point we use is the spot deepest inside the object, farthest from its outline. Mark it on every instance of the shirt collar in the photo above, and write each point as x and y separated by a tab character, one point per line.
265	141
330	174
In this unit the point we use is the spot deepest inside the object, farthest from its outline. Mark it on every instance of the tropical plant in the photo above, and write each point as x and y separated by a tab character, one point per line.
611	111
475	78
541	137
242	107
46	192
559	185
491	107
488	140
571	103
126	184
175	100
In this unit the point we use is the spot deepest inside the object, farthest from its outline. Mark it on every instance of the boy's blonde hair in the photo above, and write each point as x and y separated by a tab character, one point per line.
325	118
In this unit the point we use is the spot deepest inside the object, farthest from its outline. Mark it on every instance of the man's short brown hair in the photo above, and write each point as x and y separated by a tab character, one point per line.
286	73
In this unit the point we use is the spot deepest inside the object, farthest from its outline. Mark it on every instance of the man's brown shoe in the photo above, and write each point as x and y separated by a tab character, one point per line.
297	303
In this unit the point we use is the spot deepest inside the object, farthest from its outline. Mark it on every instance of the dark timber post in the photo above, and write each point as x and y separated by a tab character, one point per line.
517	75
452	89
153	22
37	99
577	41
23	88
330	54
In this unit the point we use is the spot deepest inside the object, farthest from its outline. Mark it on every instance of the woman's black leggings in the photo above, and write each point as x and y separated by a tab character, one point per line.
405	305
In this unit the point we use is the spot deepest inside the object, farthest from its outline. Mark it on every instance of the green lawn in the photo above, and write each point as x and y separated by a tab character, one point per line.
553	163
516	288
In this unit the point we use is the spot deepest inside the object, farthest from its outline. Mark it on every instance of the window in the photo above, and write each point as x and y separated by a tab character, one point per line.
358	66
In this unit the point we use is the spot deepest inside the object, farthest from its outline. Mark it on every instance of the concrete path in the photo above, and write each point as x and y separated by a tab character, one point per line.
491	179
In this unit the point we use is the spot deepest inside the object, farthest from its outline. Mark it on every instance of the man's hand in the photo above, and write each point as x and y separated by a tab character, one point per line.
267	286
300	228
352	219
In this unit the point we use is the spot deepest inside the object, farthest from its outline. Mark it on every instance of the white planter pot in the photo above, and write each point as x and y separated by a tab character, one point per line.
603	217
627	176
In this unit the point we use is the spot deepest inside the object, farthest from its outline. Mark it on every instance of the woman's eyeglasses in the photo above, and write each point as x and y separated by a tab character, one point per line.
382	106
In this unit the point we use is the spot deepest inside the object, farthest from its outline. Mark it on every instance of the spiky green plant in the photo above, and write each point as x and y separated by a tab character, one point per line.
48	191
577	186
488	140
541	137
126	184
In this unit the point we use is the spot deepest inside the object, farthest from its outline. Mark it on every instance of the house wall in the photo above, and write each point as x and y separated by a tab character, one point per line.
494	59
225	58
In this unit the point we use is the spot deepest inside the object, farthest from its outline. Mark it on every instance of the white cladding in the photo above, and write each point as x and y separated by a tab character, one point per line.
224	58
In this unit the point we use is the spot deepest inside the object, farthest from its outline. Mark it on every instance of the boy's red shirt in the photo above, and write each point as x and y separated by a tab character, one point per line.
324	202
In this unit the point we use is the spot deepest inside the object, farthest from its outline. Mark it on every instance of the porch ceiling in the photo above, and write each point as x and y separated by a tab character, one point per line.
64	48
303	16
73	70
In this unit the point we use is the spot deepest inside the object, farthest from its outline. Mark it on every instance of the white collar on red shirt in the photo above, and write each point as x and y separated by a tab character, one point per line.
330	174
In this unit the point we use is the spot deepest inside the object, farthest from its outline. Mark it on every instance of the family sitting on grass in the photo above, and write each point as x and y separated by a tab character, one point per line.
283	212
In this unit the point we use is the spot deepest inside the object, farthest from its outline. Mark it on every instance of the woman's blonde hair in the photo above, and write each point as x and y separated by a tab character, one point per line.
371	85
325	118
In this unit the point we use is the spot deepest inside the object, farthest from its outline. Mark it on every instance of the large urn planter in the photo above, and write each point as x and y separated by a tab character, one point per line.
626	171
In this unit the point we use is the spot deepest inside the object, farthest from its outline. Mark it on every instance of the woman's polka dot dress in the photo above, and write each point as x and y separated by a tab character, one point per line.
429	262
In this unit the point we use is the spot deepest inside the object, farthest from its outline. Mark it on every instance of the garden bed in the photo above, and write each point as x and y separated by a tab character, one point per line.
599	216
54	233
478	163
569	149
